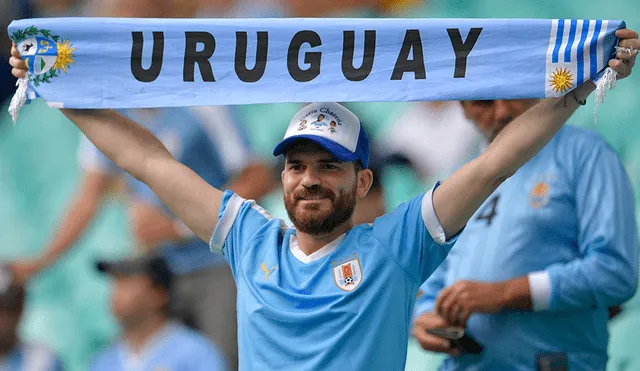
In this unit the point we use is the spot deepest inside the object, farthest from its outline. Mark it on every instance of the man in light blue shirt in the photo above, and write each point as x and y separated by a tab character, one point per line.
542	260
328	294
14	354
141	302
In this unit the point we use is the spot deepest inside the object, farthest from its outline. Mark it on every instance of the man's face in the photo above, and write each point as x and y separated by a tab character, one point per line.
320	118
320	192
134	298
491	116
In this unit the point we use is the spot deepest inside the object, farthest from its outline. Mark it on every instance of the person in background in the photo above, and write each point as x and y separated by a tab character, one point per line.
15	355
211	142
204	286
434	137
150	340
540	263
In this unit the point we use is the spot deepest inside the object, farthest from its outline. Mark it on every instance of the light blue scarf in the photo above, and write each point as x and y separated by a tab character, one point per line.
131	63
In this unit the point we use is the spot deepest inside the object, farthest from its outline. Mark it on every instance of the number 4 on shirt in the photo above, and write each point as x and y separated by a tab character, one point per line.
489	210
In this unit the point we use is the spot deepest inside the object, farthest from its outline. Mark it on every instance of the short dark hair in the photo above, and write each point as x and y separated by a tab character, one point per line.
357	166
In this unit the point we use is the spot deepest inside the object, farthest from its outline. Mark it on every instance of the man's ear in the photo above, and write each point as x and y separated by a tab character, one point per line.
365	180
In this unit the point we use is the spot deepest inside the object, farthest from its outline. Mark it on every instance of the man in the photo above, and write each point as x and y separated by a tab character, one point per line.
336	294
14	355
141	301
542	259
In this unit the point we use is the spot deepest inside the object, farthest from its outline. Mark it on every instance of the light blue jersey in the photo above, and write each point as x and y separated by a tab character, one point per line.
175	348
346	306
566	220
209	140
30	357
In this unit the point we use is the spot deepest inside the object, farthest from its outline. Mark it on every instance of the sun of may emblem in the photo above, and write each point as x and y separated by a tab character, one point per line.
45	54
561	80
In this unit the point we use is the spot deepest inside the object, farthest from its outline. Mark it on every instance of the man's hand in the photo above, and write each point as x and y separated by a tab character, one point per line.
458	301
429	342
19	66
25	270
625	61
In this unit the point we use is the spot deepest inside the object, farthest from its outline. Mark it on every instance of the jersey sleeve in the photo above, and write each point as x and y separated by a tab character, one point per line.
414	237
606	274
238	222
91	159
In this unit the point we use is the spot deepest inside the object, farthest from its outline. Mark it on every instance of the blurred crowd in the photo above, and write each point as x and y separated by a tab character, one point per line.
96	269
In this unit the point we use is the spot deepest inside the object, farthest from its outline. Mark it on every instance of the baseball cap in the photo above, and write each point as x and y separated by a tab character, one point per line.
153	266
332	126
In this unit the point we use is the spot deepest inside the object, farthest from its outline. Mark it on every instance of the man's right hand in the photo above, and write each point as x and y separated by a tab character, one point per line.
427	321
19	66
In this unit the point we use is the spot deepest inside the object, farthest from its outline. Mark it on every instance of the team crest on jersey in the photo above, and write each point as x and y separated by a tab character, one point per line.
45	54
347	274
539	194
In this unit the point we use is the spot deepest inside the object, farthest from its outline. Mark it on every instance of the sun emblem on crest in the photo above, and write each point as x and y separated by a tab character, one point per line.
44	53
561	80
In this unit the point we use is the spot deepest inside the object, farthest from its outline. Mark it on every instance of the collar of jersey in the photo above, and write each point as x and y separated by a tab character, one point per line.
324	250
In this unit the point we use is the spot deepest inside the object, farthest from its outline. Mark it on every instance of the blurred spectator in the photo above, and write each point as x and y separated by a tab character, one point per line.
141	302
14	355
435	137
214	146
541	261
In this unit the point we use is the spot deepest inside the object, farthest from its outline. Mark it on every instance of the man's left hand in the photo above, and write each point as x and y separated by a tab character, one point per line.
458	301
624	62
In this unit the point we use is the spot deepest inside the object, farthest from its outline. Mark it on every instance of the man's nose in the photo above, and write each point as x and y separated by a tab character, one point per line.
310	177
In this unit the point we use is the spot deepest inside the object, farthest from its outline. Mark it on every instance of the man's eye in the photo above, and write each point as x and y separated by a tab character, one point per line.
329	167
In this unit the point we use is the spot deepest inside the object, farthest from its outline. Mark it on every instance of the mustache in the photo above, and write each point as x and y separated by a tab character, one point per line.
314	192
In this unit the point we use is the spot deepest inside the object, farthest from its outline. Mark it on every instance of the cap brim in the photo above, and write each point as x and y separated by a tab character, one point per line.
332	147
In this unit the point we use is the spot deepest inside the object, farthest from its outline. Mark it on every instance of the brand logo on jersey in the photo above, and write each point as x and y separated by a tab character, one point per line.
347	274
539	195
266	271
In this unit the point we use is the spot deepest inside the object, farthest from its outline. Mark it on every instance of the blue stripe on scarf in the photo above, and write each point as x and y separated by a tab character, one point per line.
583	38
556	49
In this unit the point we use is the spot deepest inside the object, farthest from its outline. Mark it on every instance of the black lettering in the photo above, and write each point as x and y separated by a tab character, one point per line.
462	49
348	46
151	73
310	58
192	56
254	74
411	41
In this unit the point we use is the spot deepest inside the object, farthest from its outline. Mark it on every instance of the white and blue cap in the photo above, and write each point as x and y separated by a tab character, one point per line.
332	126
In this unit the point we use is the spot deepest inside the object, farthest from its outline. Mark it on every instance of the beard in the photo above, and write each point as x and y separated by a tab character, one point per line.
314	220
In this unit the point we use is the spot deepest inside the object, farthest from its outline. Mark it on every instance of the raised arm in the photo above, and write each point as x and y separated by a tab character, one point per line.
459	196
137	151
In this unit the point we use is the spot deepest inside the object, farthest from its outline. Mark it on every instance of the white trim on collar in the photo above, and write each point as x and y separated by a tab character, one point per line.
324	250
